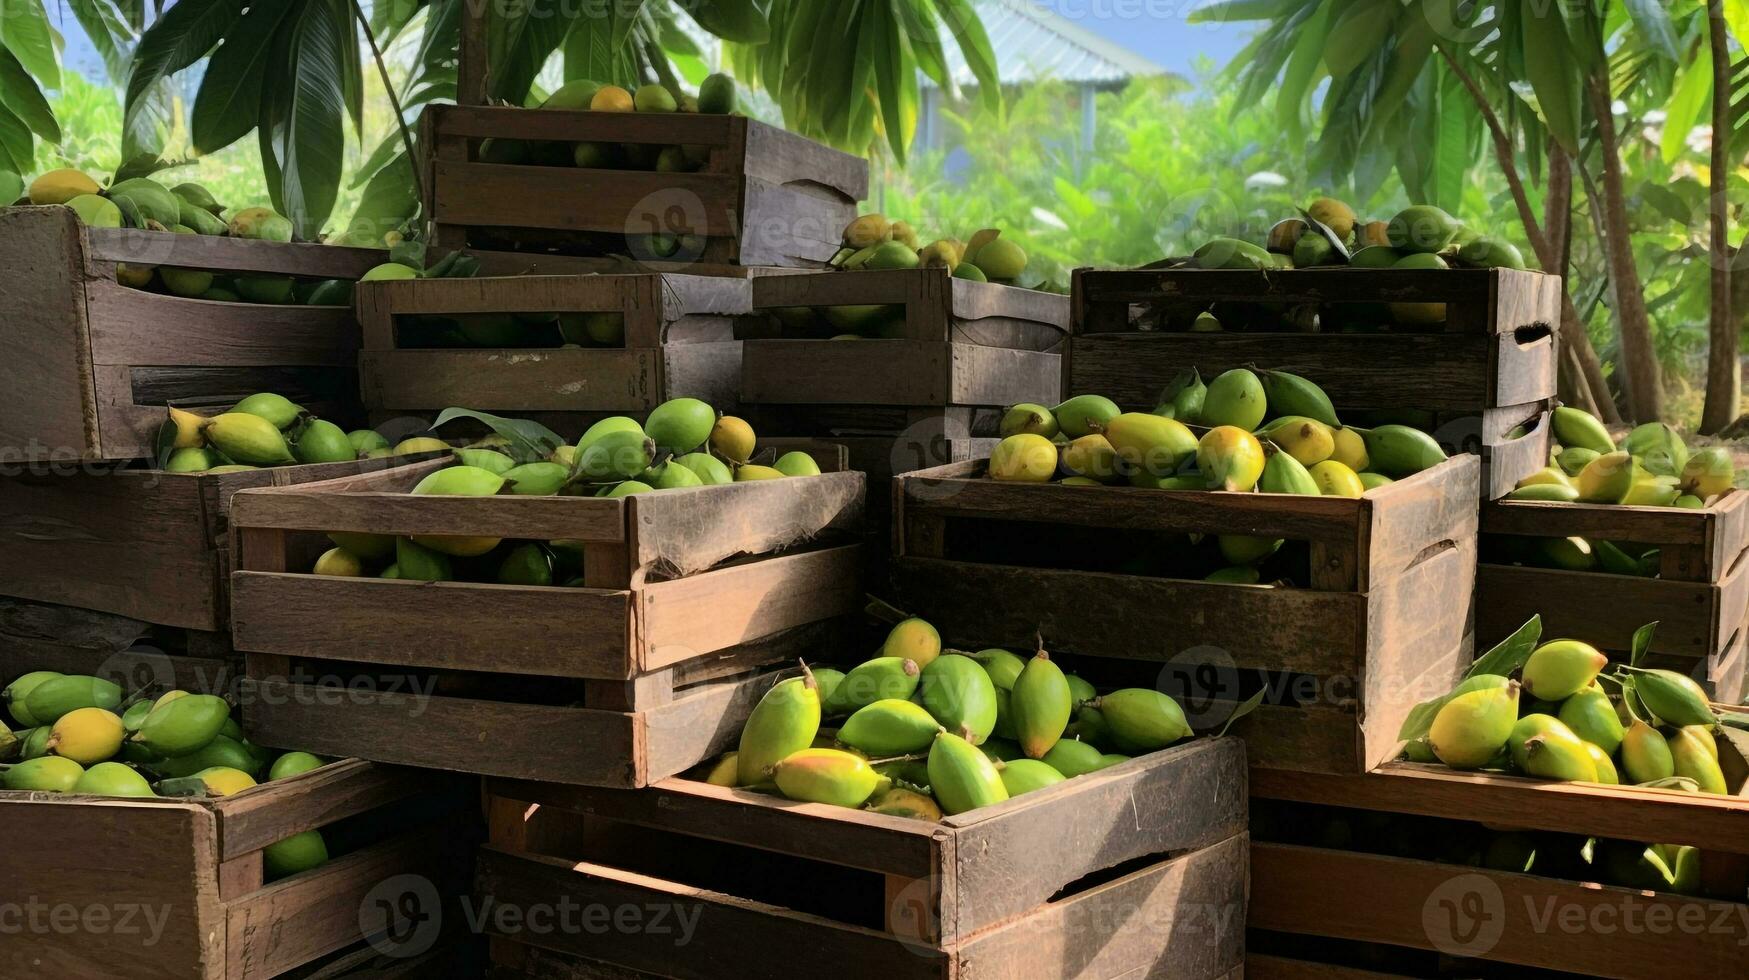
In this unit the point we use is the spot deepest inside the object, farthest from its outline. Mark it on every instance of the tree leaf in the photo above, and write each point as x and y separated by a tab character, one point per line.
1359	31
968	31
1642	644
1554	74
186	32
25	31
1238	10
229	100
1510	654
1688	105
309	133
1653	22
528	440
1249	705
389	201
16	145
109	34
19	92
11	187
741	21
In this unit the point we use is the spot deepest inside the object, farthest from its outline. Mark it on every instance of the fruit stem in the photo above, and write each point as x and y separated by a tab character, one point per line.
911	757
808	676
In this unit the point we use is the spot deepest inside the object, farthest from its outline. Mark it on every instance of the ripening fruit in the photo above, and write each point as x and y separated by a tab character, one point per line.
1307	440
1336	480
913	639
1470	729
680	425
1024	458
733	439
1150	444
1028	418
339	563
1708	473
1235	398
1560	669
61	186
87	735
1230	458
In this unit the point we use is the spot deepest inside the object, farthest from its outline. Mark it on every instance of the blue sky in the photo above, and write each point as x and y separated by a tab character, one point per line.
1158	30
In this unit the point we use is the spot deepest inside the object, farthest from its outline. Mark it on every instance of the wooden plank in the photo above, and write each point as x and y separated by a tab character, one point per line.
710	372
701	722
1419	637
478	121
48	412
1612	607
310	507
569	380
686	531
1525	364
126	328
742	603
1259	966
1305	738
1649	525
217	254
1311	632
844	372
576	200
305	615
255	818
1301	285
1405	905
996	376
773	154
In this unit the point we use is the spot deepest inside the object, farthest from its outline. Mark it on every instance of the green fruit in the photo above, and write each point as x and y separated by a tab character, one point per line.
654	98
45	774
797	464
892	255
1560	669
53	697
616	455
1239	549
961	777
1471	728
1291	395
1422	229
1603	764
1028	418
1533	725
1025	775
574	95
1313	249
1001	260
1142	719
279	410
970	272
293	764
418	563
1003	667
183	726
1150	444
371	547
1551	493
20	688
1676	699
1578	428
1230	459
1593	718
1236	398
192	461
294	855
1041	704
1073	758
460	481
35	743
783	723
670	476
716	95
1235	575
628	488
152	199
890	727
880	679
1573	460
1375	257
112	779
221	751
1691	759
1487	252
247	438
1563	758
1708	473
198	196
366	440
1572	554
711	471
1091	457
94	211
1399	451
261	224
1285	474
272	290
1419	751
1658	448
535	479
828	776
199	219
681	425
959	695
1645	755
136	713
1083	415
490	460
1232	253
526	564
323	442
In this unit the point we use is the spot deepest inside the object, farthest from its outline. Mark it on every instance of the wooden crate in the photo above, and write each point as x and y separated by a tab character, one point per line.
684	592
1383	623
93	362
679	342
1137	870
141	543
1409	902
137	656
196	866
1700	598
1487	371
764	197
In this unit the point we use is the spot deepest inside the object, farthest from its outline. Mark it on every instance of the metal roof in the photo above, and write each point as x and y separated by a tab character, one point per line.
1033	41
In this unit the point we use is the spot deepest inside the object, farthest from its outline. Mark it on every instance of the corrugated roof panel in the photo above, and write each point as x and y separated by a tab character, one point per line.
1032	41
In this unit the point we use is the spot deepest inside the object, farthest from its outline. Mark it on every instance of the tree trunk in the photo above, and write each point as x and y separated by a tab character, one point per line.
1724	385
1642	384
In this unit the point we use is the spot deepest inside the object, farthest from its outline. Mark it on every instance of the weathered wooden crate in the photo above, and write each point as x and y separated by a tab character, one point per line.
684	592
764	196
137	656
1137	870
1700	598
146	544
1522	920
679	342
1482	382
93	362
174	888
1381	622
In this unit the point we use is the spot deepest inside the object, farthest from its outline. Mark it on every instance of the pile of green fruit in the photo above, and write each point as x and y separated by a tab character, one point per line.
1563	718
682	444
1261	431
922	731
717	95
81	735
266	430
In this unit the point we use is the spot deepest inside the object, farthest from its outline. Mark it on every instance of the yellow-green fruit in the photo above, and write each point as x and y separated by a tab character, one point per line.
1074	758
1373	481
1560	669
1577	428
1549	476
783	723
1706	737
1041	705
733	439
453	481
184	725
248	438
868	231
112	779
99	212
796	464
486	459
960	695
1283	235
53	697
565	456
1002	259
1606	479
893	255
293	764
1307	440
373	547
827	776
710	470
221	751
1399	451
152	200
1230	458
1092	457
191	461
1313	249
1548	493
716	95
890	727
20	688
620	455
1572	554
1422	229
61	186
1559	754
1025	775
961	777
1592	717
277	409
1243	549
1488	252
1335	215
294	855
1472	728
1285	474
420	444
1692	759
389	272
1149	443
681	425
262	224
1235	398
1084	415
537	479
44	774
1604	764
198	219
87	735
224	780
725	771
873	680
1336	480
1645	755
1658	448
913	639
1675	698
1573	461
1648	490
1142	719
1024	458
750	473
654	98
416	562
1028	418
902	802
323	442
1233	254
1708	473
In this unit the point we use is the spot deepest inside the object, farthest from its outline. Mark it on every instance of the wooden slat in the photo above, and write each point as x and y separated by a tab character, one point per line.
569	199
1302	285
513	380
1609	610
127	328
686	531
575	126
997	376
271	812
1648	525
232	254
305	615
846	372
312	507
48	411
698	614
778	156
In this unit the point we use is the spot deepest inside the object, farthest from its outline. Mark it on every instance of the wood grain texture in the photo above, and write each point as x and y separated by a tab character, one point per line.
1527	292
273	811
716	610
1403	906
686	531
127	328
217	254
49	411
1605	609
513	380
1260	966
